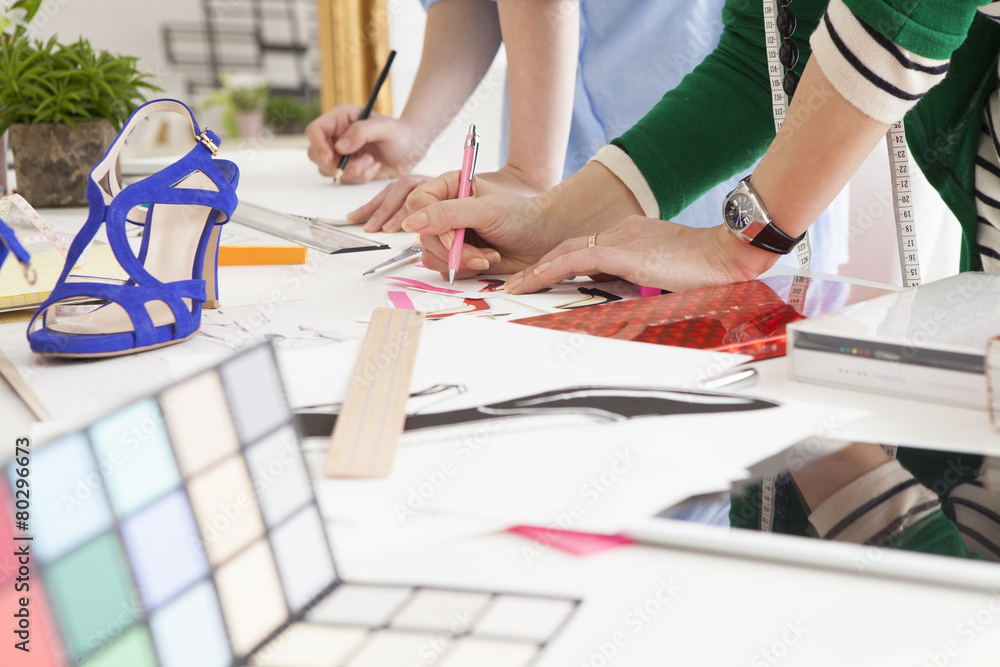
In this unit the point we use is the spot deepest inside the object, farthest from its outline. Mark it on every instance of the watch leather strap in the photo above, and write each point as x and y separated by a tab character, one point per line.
774	240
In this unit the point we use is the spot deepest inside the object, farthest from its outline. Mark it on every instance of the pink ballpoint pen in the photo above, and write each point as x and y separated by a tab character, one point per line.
464	190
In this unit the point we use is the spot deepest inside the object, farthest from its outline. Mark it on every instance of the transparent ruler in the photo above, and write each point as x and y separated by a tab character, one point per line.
315	233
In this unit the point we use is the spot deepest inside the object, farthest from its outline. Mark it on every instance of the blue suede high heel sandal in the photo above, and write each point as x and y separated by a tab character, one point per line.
182	209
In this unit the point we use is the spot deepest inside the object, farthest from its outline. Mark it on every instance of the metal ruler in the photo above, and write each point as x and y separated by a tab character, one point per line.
363	443
322	235
902	204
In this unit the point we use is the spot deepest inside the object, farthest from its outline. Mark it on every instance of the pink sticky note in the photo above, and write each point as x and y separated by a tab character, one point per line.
401	300
425	286
649	291
570	541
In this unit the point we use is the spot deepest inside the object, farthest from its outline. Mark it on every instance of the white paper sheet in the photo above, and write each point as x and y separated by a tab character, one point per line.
497	361
537	469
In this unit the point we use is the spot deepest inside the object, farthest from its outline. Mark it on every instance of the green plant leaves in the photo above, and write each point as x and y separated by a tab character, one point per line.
49	82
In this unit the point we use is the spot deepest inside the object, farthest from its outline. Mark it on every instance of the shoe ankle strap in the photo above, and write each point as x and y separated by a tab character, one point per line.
106	167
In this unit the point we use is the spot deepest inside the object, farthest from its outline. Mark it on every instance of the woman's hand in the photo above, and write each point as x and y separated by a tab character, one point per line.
506	231
652	253
385	212
379	147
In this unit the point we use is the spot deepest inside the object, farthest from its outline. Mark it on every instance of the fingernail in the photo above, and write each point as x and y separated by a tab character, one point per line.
479	264
513	282
416	222
448	239
541	269
353	214
342	146
493	256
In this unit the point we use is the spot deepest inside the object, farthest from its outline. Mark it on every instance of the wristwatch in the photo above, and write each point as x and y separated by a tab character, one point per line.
746	217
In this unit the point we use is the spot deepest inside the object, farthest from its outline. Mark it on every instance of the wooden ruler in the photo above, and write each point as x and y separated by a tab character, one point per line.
10	373
368	427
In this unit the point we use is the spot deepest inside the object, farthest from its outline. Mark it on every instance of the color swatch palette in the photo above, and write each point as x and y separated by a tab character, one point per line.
183	530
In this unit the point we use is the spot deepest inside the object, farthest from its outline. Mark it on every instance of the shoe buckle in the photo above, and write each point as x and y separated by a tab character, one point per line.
207	142
30	275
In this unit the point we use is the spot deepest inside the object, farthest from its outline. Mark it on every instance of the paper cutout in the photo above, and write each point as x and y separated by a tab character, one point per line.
400	300
591	297
574	294
469	306
571	541
417	284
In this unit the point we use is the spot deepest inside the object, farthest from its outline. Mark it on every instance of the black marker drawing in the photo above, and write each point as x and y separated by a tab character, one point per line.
601	404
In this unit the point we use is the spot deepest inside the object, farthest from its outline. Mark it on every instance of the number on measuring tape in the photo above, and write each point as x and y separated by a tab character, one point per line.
779	101
902	205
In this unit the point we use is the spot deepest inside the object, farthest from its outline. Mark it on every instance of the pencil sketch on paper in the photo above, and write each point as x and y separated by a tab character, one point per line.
598	404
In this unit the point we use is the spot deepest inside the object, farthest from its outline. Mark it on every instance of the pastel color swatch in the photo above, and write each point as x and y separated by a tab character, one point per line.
183	530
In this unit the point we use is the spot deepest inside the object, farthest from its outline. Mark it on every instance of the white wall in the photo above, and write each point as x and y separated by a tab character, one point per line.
128	28
874	253
134	28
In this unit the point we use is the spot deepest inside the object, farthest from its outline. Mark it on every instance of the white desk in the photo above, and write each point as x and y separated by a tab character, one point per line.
725	610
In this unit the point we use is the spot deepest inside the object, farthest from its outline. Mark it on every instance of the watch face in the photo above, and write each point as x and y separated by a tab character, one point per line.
739	211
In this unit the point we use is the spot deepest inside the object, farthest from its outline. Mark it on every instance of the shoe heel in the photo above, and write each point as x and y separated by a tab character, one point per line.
210	269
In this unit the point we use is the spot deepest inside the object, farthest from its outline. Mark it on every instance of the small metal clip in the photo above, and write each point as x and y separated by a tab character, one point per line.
207	142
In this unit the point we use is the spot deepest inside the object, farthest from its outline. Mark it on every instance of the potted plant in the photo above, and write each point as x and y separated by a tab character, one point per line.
12	23
243	98
286	114
64	104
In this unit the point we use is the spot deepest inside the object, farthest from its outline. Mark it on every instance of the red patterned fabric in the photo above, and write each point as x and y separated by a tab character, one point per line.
748	318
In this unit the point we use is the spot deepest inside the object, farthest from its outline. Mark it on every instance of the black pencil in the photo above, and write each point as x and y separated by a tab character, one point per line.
368	109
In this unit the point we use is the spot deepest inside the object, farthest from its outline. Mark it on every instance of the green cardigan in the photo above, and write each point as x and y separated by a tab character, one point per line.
723	108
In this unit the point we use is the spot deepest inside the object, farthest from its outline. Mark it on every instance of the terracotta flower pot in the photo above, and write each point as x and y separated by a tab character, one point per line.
52	161
250	124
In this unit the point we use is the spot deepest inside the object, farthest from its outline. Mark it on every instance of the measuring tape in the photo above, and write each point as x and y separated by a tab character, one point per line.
363	443
899	161
779	102
902	204
59	241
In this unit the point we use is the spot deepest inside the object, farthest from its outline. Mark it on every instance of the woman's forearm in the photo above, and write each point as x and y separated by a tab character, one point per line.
822	142
542	40
590	201
460	41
